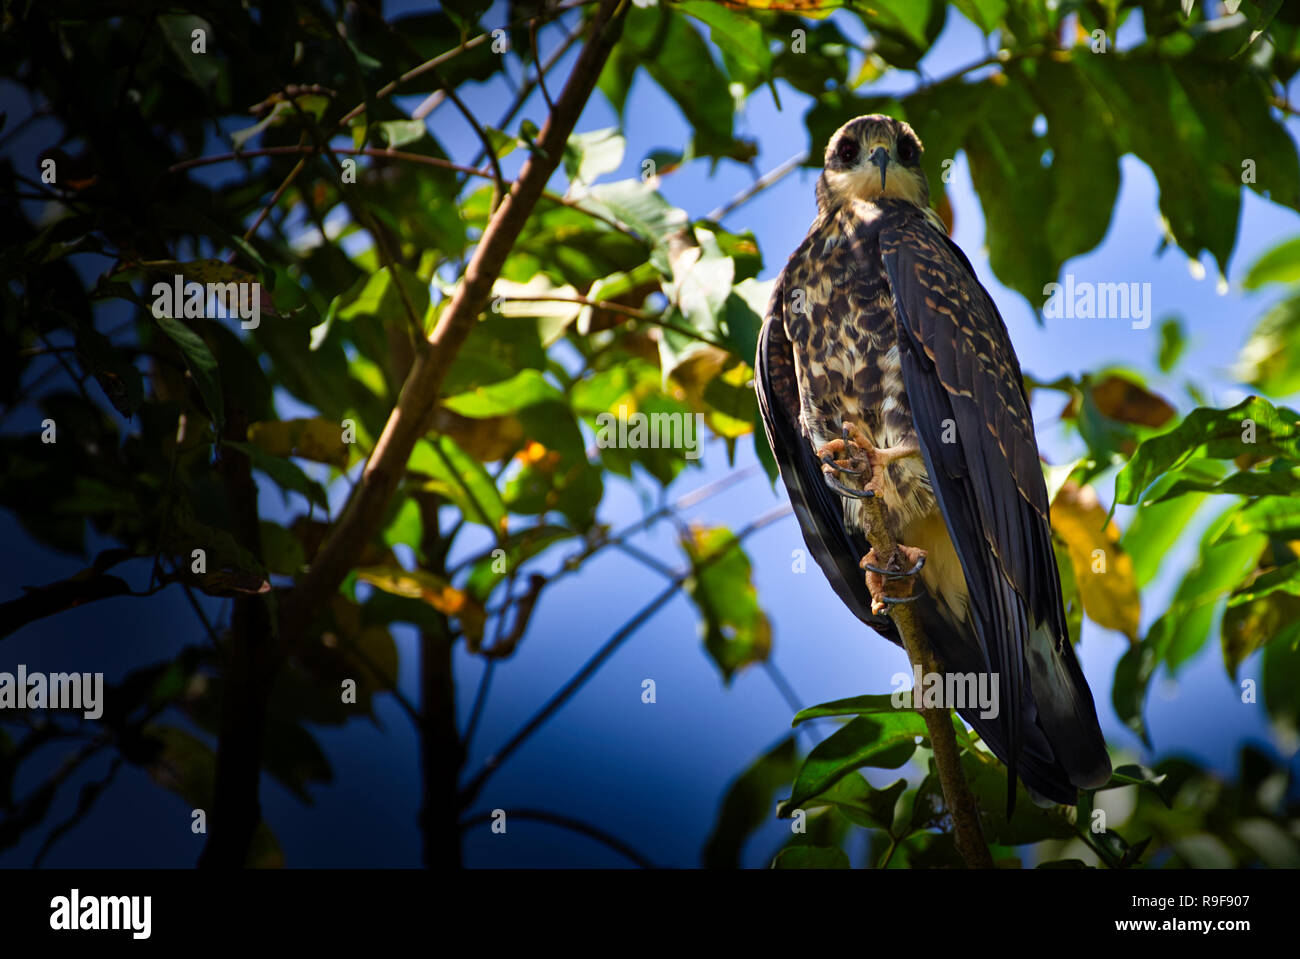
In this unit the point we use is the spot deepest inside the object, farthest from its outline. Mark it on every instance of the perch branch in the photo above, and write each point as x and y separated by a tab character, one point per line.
409	420
956	792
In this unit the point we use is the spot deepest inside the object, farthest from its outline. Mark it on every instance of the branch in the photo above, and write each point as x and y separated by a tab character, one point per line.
644	316
440	59
479	132
307	149
611	645
938	722
768	179
409	420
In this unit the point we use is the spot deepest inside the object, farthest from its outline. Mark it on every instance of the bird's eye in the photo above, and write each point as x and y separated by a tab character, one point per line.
847	151
907	151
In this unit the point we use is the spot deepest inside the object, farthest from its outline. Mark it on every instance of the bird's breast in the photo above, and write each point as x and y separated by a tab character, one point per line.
840	322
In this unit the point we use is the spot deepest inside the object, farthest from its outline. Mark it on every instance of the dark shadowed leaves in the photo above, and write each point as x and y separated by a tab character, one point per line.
886	740
748	804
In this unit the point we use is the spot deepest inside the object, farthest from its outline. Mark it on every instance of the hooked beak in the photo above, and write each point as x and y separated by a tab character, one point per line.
879	155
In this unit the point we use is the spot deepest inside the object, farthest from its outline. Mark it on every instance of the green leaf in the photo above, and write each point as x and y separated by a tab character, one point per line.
823	57
664	43
741	40
1272	514
1029	823
640	208
378	297
1181	632
811	857
1225	434
201	363
503	144
287	474
524	389
1185	121
747	805
1269	360
859	802
1285	579
853	706
398	133
1133	774
178	30
1164	517
1128	691
588	155
1253	623
520	546
1272	482
1281	264
985	14
460	478
292	756
1281	686
902	30
1034	219
1173	342
735	629
885	739
1082	149
281	551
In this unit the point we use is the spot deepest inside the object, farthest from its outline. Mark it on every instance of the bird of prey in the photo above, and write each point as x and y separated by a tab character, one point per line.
884	369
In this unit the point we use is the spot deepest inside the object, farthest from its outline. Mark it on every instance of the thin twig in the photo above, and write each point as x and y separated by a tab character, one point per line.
644	316
308	149
769	178
362	215
501	186
446	55
537	58
480	700
610	646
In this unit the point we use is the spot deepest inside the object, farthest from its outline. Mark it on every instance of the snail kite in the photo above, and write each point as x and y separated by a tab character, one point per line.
885	369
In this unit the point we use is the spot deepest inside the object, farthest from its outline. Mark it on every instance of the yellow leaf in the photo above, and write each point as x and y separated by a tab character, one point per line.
1122	399
316	439
1103	571
432	589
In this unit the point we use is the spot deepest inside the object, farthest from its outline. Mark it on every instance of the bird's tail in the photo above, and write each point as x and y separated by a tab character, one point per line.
1066	712
1061	746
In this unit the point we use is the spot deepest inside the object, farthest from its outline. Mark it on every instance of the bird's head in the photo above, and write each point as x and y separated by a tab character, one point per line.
871	157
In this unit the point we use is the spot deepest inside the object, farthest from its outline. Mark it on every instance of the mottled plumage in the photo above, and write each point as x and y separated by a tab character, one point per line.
879	322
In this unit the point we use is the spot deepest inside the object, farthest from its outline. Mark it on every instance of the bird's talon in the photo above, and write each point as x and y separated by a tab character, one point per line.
843	490
891	586
892	573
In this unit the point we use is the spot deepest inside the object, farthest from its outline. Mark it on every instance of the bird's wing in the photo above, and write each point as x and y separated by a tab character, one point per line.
964	385
820	512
